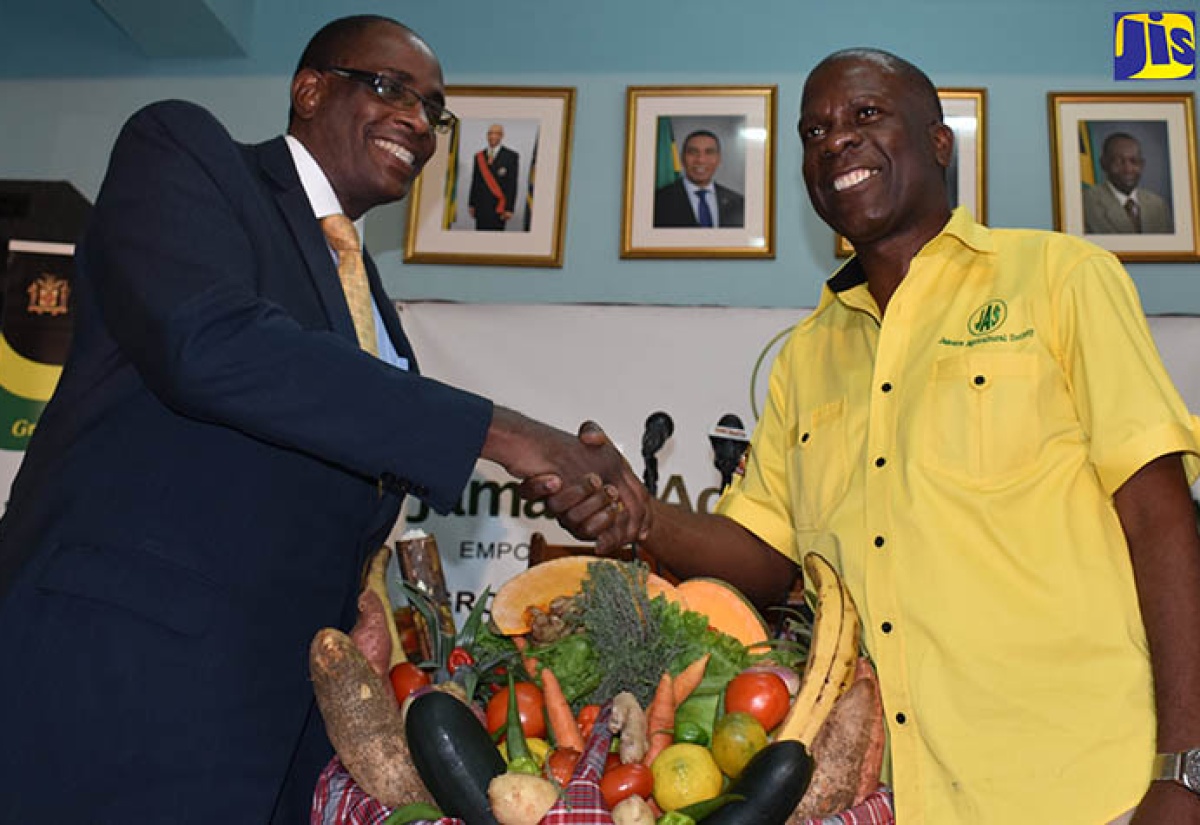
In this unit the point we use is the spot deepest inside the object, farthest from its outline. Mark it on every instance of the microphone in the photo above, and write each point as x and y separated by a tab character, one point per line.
729	442
659	428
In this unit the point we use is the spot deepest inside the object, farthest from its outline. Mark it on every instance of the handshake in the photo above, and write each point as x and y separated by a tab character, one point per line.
585	482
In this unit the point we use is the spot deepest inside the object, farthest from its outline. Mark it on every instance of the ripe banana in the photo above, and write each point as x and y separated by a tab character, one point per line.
832	655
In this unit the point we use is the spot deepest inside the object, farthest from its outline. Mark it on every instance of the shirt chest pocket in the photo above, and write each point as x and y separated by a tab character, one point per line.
982	419
820	468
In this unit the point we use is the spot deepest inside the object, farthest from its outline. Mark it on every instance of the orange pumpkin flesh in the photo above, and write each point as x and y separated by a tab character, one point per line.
726	608
543	583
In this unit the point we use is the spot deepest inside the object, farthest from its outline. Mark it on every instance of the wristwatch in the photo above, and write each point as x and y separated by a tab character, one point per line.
1183	768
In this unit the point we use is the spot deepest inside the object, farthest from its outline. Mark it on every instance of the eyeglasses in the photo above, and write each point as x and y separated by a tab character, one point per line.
401	96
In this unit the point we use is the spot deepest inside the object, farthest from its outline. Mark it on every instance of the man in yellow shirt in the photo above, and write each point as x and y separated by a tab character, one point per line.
975	427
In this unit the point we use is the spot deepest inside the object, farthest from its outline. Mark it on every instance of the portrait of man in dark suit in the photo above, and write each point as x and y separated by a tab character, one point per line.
1120	204
493	183
696	199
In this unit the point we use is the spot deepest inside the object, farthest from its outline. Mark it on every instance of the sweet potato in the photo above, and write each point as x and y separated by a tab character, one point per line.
362	720
872	763
838	751
370	632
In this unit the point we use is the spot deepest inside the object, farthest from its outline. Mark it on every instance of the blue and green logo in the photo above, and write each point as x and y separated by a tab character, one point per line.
1154	45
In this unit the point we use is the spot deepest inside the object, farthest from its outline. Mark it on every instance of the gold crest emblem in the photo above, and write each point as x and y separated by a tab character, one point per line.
48	295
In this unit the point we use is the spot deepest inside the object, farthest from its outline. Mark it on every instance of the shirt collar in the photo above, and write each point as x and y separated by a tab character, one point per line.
961	229
316	185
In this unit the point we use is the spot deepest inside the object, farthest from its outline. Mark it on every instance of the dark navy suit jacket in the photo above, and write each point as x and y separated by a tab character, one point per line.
201	493
673	208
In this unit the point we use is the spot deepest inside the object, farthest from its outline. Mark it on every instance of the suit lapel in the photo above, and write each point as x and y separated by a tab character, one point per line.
277	166
391	319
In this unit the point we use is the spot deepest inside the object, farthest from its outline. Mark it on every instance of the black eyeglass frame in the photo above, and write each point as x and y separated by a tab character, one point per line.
400	95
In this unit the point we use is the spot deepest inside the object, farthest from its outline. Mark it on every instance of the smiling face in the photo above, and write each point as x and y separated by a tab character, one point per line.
875	151
1122	162
701	157
369	149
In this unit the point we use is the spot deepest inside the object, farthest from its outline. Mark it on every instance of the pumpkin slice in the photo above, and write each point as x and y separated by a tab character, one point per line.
726	608
543	583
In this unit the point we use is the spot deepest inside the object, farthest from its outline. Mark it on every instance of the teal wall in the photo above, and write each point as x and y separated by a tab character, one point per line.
69	77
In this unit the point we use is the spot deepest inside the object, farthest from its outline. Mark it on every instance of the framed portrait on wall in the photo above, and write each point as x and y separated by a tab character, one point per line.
965	112
495	191
1124	172
699	172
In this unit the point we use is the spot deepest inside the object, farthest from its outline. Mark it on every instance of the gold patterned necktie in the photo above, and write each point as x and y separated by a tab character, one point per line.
343	237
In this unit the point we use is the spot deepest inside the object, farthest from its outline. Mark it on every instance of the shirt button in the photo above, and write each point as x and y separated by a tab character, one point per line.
879	462
886	627
979	380
879	541
901	718
886	386
804	438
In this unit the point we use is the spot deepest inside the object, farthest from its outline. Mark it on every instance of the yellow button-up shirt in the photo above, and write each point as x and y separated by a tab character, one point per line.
955	460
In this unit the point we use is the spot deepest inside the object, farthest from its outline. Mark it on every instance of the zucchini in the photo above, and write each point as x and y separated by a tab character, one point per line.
771	786
454	755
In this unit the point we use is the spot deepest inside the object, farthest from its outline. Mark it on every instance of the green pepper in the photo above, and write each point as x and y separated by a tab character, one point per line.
691	732
697	811
675	818
520	759
413	812
700	710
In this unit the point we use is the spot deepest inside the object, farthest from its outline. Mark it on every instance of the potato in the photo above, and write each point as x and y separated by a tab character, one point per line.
633	810
363	721
521	799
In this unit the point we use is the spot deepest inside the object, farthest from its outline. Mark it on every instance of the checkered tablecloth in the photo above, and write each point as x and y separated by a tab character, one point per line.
338	800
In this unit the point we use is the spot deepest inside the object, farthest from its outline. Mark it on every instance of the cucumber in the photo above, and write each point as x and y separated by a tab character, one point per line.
454	755
771	786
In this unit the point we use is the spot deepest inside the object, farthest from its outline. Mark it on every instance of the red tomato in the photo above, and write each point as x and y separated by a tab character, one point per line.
560	764
761	694
530	707
407	677
624	781
587	720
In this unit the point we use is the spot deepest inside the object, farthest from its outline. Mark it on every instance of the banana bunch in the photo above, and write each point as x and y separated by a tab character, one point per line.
832	654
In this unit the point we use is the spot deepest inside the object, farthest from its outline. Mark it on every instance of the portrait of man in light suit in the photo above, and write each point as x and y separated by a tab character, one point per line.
1119	204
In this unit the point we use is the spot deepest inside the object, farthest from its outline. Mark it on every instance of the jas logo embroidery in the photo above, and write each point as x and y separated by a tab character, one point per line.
988	318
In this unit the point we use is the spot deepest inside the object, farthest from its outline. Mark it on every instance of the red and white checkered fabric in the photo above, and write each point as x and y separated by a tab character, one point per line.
582	804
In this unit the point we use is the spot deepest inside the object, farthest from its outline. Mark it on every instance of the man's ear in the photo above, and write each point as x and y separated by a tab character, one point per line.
308	90
943	143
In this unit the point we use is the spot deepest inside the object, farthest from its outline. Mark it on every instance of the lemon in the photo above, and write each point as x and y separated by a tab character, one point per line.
685	773
736	738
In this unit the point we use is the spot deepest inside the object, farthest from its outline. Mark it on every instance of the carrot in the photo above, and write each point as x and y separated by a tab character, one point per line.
558	713
689	679
531	664
660	718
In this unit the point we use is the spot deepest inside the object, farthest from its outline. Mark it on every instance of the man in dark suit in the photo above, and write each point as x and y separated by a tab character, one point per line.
696	199
221	456
493	183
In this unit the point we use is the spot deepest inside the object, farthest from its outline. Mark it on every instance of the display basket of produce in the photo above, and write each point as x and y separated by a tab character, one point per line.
592	691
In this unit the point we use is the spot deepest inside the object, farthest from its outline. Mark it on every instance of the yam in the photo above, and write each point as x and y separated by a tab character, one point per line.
363	721
838	750
872	763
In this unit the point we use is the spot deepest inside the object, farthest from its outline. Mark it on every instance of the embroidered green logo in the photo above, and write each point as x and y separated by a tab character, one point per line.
988	318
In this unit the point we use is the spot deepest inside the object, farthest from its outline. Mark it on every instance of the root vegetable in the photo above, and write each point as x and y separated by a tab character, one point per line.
839	749
633	811
660	718
375	581
521	799
558	713
629	722
689	679
872	762
363	721
370	633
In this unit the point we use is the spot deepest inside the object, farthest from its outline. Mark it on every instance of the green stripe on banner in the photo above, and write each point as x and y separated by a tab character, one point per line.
451	187
666	162
18	417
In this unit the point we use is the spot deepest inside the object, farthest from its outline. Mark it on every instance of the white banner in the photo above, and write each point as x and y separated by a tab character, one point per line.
618	365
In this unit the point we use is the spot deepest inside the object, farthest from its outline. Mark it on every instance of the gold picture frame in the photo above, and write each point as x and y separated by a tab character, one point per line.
455	208
735	127
1158	127
965	112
